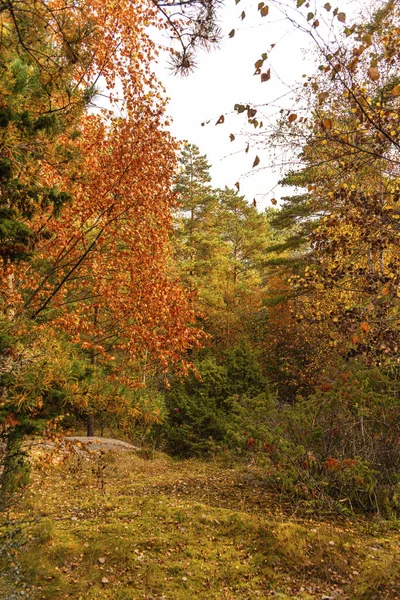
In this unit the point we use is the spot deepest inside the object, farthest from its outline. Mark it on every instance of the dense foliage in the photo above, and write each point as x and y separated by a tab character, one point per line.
137	296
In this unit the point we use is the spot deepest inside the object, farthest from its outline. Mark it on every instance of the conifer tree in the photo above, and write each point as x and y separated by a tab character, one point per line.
194	220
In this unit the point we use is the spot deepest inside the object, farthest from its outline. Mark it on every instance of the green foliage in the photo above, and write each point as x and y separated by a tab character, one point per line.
203	409
197	410
15	467
244	370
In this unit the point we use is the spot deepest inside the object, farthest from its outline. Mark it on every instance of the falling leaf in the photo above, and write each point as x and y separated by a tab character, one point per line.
264	11
231	33
300	3
231	137
292	117
315	24
239	108
256	161
342	17
220	120
327	6
266	76
365	327
323	96
274	201
243	15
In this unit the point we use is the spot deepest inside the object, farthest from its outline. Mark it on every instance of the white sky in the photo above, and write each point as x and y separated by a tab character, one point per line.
225	77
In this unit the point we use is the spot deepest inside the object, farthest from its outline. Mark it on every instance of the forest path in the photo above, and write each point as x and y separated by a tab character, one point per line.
118	527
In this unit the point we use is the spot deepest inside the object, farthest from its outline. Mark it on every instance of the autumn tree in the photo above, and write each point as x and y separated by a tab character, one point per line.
351	157
86	202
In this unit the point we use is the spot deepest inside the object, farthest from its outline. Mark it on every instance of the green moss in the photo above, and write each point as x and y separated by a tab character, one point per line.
186	530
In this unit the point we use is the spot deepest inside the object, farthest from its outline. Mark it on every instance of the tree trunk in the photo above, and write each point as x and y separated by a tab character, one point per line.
90	425
90	419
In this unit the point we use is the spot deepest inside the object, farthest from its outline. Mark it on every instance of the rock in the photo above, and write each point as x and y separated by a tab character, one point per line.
101	443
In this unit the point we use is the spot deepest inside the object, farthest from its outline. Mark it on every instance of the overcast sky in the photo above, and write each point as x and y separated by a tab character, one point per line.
225	77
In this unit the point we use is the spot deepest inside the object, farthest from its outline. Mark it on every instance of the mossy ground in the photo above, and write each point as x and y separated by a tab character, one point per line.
121	527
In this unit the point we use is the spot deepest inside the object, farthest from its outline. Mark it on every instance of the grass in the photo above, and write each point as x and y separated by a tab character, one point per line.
120	527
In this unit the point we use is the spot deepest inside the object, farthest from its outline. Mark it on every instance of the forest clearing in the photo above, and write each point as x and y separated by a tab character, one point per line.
119	526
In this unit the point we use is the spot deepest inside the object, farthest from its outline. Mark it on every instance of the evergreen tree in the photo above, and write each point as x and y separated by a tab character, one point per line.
194	222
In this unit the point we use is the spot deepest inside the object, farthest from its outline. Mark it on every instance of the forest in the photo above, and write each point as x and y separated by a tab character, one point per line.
248	358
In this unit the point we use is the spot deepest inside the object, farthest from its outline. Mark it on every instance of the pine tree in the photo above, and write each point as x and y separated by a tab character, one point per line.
194	220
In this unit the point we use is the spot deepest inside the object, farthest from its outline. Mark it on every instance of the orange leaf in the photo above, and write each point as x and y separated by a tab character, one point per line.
365	327
373	73
396	91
